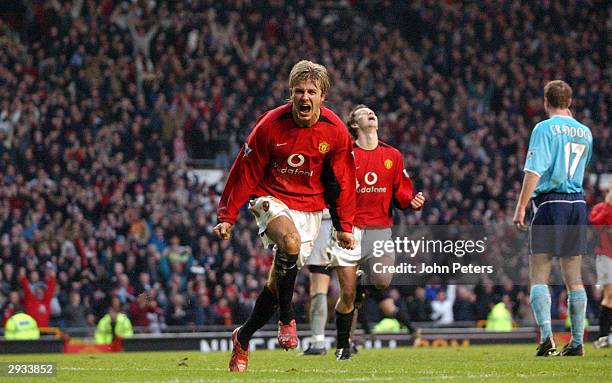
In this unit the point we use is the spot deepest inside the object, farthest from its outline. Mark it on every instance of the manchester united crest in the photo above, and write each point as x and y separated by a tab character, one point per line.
324	147
388	164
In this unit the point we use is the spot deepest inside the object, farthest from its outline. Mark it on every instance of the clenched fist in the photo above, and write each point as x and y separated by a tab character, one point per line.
418	201
345	240
223	230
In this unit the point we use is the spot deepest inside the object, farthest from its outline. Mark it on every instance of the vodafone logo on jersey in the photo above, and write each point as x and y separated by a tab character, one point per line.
370	179
294	161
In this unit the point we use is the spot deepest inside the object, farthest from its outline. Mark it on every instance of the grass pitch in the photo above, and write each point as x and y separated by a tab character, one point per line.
504	363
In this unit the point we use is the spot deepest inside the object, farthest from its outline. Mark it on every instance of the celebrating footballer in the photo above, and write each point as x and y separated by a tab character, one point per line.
280	170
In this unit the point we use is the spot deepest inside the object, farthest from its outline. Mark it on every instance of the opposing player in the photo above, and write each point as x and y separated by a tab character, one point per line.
382	183
281	168
602	215
559	150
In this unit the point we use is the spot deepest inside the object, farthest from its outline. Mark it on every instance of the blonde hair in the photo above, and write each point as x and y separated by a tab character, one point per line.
308	70
558	94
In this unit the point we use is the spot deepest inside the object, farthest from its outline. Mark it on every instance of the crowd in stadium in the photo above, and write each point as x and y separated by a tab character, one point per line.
103	101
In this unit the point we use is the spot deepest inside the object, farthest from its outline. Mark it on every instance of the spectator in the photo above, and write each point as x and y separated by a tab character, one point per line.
114	324
203	313
419	308
464	308
500	318
9	308
178	257
144	283
38	302
139	310
142	38
125	291
75	314
156	319
486	297
522	310
139	229
223	312
442	307
177	314
21	326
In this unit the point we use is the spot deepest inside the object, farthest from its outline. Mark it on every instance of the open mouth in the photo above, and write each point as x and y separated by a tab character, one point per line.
305	108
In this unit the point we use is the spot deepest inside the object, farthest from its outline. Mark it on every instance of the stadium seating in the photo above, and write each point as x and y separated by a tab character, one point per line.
102	103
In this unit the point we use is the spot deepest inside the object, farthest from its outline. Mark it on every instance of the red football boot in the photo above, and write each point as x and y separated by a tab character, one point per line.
287	335
240	358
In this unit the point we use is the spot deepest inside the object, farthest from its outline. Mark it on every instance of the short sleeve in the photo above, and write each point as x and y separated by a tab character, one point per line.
539	158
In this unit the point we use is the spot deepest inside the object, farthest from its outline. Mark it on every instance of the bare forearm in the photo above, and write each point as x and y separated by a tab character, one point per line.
530	181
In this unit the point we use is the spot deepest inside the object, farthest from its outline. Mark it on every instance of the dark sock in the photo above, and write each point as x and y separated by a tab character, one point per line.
605	320
363	291
363	320
265	306
360	295
285	269
403	318
343	327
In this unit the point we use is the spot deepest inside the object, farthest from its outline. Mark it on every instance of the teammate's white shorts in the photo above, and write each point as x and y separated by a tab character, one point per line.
604	270
363	249
265	209
320	255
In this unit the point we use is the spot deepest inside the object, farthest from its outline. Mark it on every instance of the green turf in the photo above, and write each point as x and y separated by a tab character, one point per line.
502	363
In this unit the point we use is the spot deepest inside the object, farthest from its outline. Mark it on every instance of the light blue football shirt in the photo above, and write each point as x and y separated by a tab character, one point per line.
559	150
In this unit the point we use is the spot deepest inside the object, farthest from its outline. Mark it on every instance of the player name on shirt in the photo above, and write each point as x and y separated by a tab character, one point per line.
560	148
571	131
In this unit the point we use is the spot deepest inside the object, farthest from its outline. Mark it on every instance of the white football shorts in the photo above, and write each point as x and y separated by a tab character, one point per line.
604	270
363	250
320	253
267	208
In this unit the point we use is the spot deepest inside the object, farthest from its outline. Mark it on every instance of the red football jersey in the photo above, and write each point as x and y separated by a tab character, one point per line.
381	182
602	215
287	161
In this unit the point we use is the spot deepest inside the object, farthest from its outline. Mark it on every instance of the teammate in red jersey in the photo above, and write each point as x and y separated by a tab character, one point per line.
382	182
602	215
288	160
